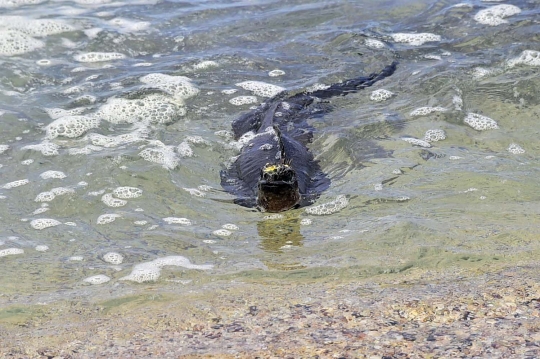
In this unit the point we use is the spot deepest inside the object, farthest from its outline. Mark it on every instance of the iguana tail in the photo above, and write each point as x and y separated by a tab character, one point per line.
356	84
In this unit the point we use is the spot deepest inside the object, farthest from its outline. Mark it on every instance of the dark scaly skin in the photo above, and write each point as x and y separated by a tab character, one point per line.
281	137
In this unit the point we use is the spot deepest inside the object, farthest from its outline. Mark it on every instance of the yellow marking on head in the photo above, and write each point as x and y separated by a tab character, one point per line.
270	168
273	168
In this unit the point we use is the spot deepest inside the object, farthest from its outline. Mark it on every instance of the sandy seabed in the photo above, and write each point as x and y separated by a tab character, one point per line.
416	314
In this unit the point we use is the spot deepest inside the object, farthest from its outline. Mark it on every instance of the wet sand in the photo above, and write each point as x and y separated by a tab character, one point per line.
416	314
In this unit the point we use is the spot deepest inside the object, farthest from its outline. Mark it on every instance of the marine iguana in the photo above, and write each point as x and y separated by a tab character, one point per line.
275	170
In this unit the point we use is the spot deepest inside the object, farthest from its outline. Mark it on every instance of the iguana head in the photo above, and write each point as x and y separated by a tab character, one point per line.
278	188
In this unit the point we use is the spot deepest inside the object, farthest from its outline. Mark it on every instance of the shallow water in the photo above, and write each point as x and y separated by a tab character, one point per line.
468	199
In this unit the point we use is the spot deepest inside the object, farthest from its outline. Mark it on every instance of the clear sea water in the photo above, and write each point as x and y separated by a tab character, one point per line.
471	199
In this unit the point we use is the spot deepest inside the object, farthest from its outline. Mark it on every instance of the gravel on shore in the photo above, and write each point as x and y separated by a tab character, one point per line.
418	314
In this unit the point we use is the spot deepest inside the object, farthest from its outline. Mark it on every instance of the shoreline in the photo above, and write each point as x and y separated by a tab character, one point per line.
417	313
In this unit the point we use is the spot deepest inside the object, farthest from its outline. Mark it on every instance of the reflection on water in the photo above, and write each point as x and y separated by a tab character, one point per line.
281	232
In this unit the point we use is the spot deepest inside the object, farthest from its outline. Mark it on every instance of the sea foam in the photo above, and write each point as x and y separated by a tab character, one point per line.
151	271
495	15
13	42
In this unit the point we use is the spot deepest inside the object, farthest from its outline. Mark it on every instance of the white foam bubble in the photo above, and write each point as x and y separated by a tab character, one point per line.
229	91
17	3
434	135
14	184
153	108
10	251
205	65
260	88
176	220
184	149
127	25
317	87
480	122
53	174
71	126
45	197
248	136
415	39
330	207
14	42
143	64
275	73
96	193
195	192
381	95
76	258
46	148
92	77
3	148
481	72
458	102
27	162
495	15
527	57
222	232
68	44
144	272
463	5
163	155
374	44
73	90
110	201
59	191
115	141
180	87
416	142
424	111
151	271
113	258
127	192
306	222
107	218
266	147
243	100
433	57
43	223
40	210
230	227
42	248
204	188
97	279
197	140
515	149
93	32
35	27
98	56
